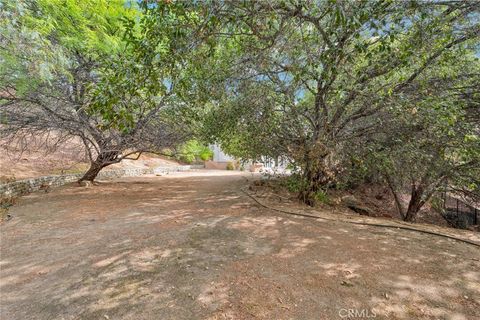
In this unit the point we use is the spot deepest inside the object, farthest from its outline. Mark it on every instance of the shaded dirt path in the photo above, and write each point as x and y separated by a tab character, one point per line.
192	246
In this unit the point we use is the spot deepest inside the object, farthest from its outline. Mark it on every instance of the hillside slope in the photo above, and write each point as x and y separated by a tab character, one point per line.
20	162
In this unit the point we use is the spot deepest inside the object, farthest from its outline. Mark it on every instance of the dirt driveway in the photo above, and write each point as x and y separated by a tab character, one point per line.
192	246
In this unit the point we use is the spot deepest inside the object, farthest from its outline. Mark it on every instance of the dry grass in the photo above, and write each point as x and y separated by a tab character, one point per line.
5	203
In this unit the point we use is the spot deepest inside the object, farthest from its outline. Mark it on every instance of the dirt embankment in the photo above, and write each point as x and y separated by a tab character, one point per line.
20	161
370	200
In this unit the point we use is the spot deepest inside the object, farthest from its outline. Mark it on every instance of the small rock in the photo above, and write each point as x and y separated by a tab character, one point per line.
86	184
354	204
346	284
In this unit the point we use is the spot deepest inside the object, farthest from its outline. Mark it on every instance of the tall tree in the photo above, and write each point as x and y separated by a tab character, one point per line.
433	141
310	77
116	83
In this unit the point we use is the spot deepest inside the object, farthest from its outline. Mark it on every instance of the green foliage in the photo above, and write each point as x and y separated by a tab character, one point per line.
230	166
327	76
116	75
193	151
41	39
294	182
91	27
349	91
206	154
322	196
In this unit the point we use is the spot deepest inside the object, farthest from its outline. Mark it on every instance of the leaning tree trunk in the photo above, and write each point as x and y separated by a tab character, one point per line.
92	172
415	204
103	160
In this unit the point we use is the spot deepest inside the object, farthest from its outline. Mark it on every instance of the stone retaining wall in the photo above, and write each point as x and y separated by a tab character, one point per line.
21	187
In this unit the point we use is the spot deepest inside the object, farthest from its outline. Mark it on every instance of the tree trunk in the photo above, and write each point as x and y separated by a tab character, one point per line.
396	197
312	185
415	204
315	176
92	172
103	160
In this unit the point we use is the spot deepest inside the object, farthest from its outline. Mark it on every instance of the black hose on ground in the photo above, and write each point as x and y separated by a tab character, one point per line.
361	223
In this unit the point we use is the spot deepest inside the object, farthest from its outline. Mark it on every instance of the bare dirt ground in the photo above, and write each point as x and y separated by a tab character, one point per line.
192	246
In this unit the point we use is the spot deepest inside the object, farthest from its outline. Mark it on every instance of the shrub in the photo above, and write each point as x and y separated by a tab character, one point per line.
293	183
192	151
5	204
230	166
7	201
322	197
206	154
187	158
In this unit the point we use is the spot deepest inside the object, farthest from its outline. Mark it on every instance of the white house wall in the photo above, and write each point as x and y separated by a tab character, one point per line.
219	155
